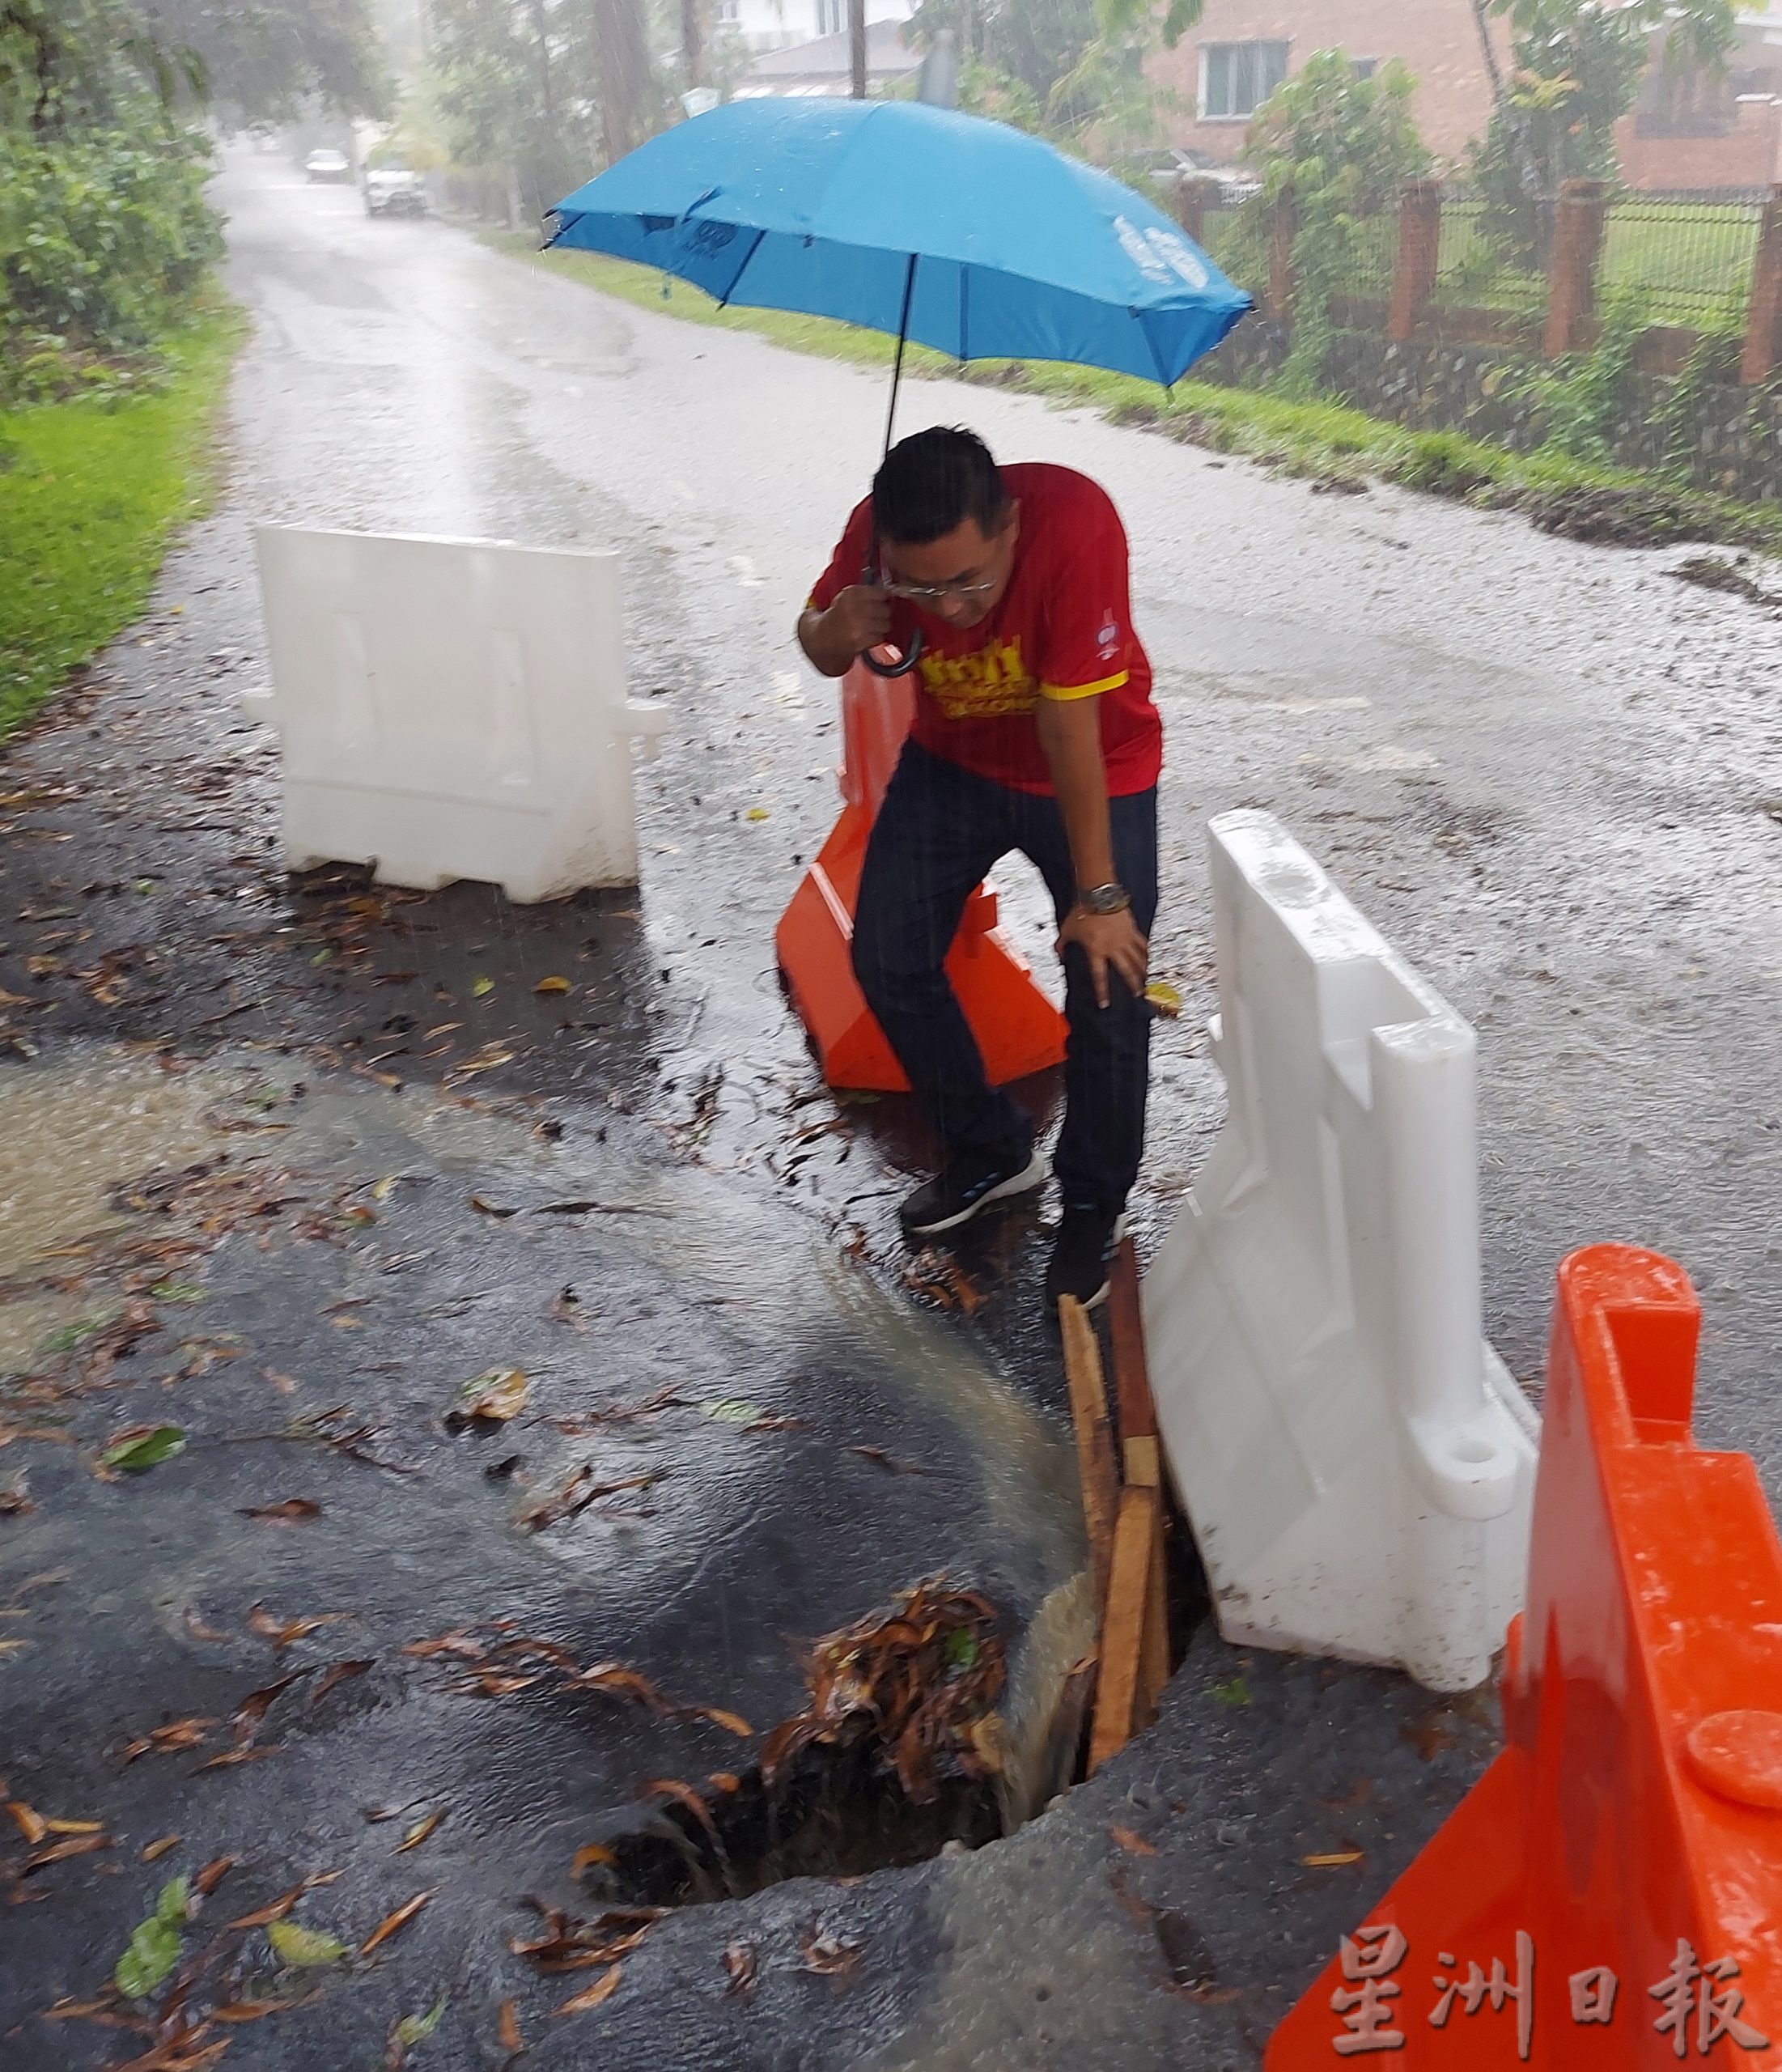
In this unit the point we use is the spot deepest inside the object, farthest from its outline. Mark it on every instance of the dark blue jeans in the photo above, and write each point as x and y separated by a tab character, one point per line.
938	831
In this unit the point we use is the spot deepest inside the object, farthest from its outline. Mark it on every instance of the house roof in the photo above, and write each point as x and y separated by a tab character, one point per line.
827	57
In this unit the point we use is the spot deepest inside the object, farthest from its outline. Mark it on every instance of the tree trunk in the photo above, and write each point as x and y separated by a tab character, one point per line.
625	75
856	45
692	42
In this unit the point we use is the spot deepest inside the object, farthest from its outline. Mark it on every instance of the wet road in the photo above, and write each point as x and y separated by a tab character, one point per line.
1549	771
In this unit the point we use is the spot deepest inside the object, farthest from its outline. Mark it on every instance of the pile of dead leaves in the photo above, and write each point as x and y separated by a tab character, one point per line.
920	1681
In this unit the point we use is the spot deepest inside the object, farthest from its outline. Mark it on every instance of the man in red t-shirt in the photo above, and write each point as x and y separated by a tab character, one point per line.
1034	730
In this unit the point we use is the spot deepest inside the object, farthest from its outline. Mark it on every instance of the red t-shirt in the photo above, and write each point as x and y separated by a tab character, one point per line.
1062	628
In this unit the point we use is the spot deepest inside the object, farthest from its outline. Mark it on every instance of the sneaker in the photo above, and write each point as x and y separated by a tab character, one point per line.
1083	1257
968	1186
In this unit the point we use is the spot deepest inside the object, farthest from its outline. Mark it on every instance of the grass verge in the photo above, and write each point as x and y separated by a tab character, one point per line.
1330	443
91	491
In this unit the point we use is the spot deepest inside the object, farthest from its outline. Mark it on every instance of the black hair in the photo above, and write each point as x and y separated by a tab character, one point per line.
934	481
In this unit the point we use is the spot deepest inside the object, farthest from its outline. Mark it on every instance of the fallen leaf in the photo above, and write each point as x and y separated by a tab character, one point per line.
29	1822
482	988
14	1502
1234	1692
294	1510
293	1944
507	2028
282	1633
497	1395
588	1855
72	1827
155	1944
731	1722
411	2030
419	1832
1333	1861
724	1780
245	1720
153	1852
60	1852
196	1627
170	1739
212	1875
140	1446
756	813
553	986
741	1960
337	1673
233	1758
78	2011
683	1794
1165	999
392	1923
878	1455
491	1208
277	1910
256	2010
1127	1840
176	1291
827	1953
590	1995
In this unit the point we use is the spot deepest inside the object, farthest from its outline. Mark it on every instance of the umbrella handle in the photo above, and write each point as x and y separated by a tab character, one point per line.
900	665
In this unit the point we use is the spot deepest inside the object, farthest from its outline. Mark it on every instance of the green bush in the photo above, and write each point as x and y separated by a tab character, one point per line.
104	235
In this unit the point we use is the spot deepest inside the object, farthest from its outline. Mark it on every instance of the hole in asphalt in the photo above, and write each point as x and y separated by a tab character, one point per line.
901	1749
836	1812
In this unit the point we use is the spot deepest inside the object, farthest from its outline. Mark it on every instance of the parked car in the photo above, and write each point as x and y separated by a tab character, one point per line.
395	190
1167	168
325	164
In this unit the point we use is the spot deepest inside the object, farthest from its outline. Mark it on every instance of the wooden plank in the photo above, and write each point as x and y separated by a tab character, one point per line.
1126	1335
1094	1440
1154	1666
1130	1590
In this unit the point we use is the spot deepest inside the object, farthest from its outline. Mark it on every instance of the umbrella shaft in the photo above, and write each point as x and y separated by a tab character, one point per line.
903	332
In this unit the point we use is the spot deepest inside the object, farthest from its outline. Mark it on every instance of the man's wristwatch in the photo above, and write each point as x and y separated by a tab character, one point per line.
1103	899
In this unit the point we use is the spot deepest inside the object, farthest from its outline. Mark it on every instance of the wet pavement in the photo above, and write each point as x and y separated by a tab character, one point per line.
1550	772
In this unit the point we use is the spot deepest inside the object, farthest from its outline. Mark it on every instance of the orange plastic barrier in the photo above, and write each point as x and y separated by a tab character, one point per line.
1018	1030
1610	1893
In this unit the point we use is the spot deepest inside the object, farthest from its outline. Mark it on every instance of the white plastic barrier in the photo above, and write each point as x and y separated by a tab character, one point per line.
1356	1463
451	708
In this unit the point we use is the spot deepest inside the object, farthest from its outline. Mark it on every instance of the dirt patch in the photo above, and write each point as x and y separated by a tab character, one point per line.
1732	577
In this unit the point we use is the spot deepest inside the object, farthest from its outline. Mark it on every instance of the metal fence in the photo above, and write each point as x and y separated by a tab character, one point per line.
1478	266
1683	260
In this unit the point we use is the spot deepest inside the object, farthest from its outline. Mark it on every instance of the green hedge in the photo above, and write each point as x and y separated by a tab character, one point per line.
104	236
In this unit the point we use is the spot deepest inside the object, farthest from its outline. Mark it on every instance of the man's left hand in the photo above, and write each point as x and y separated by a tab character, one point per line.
1111	942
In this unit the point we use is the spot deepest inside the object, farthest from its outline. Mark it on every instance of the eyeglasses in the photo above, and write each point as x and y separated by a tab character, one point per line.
934	593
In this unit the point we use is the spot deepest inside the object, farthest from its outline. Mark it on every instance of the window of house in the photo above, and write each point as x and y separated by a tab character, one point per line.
1236	78
1364	68
728	13
831	17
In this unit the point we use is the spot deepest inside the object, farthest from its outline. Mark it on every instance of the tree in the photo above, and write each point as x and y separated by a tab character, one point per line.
104	231
1333	149
1577	67
262	61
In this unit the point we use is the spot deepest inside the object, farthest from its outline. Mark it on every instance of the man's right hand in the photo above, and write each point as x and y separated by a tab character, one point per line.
860	618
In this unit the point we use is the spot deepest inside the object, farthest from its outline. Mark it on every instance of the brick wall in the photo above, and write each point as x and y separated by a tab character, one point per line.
1751	156
1435	38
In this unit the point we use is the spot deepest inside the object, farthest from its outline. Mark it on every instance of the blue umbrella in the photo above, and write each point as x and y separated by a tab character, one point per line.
966	236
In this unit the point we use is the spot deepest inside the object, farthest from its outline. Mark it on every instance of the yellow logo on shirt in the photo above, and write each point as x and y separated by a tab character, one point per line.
983	685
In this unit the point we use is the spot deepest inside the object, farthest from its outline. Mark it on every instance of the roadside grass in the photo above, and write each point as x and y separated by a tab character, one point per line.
1327	442
92	492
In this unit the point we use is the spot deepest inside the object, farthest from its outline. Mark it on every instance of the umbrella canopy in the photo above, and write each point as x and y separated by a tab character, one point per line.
964	235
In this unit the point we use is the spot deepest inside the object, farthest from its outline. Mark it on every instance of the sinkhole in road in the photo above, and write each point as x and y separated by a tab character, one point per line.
903	1748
